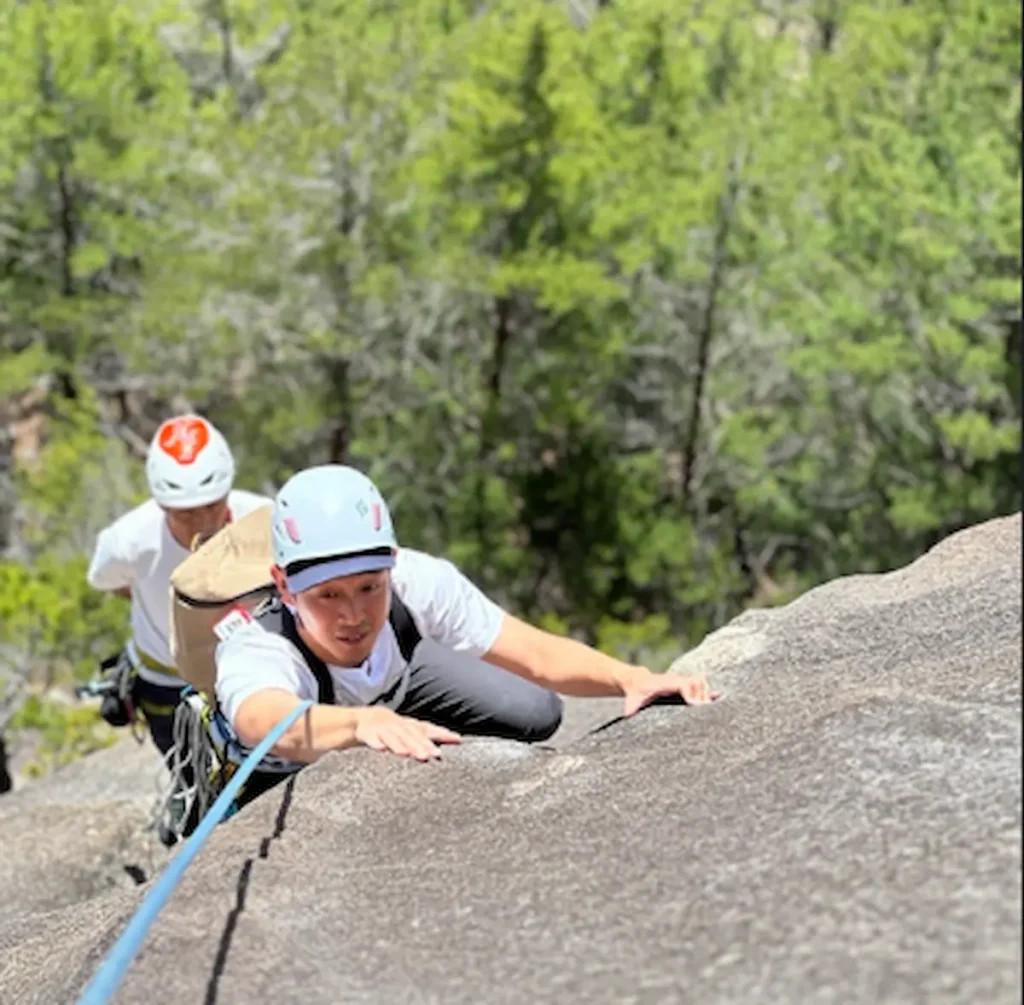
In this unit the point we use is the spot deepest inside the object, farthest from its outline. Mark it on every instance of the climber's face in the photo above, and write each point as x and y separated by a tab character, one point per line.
341	618
198	522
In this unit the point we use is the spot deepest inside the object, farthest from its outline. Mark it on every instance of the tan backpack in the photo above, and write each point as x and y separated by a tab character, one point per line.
230	570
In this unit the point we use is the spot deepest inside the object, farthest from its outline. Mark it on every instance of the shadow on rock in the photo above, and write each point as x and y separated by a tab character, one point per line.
224	944
5	776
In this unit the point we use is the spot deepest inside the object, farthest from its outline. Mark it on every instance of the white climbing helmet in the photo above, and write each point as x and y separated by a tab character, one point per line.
335	513
189	463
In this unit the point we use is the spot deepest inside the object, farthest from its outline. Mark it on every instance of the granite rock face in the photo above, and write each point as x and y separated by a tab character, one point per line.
844	825
79	833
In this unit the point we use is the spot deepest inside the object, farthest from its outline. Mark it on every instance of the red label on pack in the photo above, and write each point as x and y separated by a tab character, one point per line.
237	617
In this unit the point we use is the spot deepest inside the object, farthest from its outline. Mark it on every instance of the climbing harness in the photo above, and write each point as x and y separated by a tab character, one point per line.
116	688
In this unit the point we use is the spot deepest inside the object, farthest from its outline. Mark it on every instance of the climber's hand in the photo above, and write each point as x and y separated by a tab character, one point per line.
384	730
645	687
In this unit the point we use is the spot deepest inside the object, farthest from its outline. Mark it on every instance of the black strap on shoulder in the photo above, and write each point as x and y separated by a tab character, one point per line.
324	684
406	632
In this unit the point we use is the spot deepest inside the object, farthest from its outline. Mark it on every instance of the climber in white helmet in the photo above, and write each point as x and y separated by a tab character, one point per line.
190	472
398	649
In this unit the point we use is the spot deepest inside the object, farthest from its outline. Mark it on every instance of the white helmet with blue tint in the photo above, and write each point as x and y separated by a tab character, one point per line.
333	520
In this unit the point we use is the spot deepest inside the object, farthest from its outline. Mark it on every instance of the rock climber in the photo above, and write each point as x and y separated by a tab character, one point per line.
190	471
398	649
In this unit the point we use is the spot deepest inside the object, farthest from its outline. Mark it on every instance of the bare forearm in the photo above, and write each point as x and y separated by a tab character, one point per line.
320	729
560	664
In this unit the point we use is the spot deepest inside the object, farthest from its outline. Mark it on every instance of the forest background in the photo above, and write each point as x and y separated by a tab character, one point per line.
643	312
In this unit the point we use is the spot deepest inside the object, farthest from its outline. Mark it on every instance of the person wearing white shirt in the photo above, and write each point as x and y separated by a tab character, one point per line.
190	471
398	649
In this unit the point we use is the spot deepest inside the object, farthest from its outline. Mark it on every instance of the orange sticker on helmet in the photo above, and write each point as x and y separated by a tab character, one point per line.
184	438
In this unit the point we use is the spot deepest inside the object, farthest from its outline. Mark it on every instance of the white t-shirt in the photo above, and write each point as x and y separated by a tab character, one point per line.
138	551
445	605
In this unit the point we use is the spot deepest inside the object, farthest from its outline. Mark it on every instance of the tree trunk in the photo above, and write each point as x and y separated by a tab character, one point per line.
341	423
727	205
502	334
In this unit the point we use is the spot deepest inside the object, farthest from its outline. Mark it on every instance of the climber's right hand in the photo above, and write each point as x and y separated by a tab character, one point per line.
384	730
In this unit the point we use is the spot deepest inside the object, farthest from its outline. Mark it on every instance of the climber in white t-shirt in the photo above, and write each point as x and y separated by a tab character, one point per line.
190	472
398	649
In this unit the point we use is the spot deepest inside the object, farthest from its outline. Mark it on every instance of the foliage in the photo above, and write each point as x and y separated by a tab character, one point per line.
64	732
641	315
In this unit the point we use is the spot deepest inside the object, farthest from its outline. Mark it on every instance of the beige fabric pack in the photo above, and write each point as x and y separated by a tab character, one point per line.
230	570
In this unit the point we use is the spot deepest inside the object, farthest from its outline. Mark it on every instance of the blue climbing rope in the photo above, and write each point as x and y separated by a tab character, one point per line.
102	987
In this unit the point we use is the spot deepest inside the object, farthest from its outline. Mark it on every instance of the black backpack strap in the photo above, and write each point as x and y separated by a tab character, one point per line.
319	669
406	632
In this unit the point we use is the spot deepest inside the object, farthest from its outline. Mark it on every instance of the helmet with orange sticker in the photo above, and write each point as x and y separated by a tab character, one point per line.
189	463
